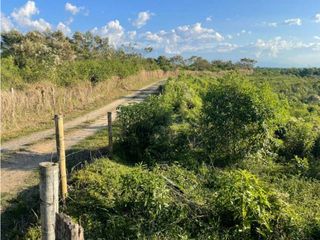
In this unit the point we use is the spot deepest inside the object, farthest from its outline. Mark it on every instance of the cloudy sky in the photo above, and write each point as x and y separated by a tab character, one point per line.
277	33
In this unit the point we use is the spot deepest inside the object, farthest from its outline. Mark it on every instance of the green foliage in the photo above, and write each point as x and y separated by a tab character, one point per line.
171	202
33	233
236	117
164	63
225	119
232	120
130	203
10	73
164	128
298	140
244	205
144	130
51	56
316	148
226	158
302	72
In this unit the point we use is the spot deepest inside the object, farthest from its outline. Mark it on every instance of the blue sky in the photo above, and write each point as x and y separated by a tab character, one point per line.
278	33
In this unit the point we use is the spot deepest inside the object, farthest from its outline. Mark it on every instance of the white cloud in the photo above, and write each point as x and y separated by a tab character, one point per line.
272	24
243	32
317	18
23	16
274	46
209	19
69	21
317	38
113	31
153	37
196	31
226	47
27	10
142	19
187	38
132	35
6	24
229	36
72	8
63	28
315	46
293	21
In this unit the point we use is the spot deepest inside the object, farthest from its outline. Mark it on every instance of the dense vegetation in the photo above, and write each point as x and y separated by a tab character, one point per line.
52	56
222	158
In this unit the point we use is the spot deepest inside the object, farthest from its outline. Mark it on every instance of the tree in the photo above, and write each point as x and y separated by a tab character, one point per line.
148	49
224	65
247	63
199	63
164	63
9	42
177	61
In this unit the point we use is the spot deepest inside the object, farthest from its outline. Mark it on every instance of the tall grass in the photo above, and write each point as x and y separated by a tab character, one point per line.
32	108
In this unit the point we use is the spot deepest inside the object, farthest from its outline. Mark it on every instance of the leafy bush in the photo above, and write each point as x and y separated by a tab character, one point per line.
298	140
236	120
10	76
162	128
245	205
316	148
132	203
144	130
171	202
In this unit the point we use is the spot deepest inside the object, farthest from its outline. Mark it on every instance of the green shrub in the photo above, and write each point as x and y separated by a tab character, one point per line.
244	204
144	130
134	203
124	202
298	140
316	148
10	75
163	128
237	118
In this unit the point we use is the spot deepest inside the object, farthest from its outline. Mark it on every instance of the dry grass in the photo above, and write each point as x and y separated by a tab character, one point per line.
33	108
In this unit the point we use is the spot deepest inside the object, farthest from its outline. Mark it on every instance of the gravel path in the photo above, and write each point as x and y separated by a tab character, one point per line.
20	157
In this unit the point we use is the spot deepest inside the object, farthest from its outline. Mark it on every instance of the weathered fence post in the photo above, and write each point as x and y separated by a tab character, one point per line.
66	229
110	134
61	155
49	198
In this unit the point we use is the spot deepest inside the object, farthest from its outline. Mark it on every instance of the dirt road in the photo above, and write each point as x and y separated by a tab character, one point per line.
20	157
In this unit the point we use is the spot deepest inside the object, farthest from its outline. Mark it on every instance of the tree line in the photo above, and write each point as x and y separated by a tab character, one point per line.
51	56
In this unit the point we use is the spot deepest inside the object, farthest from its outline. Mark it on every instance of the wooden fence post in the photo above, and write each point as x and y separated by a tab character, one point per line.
110	134
49	198
61	155
66	229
